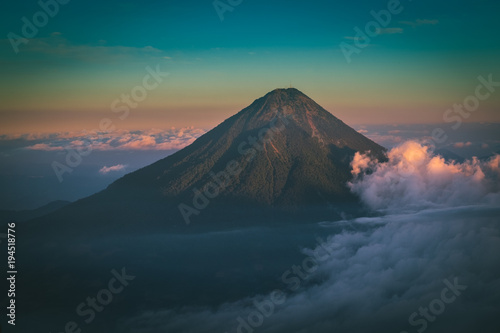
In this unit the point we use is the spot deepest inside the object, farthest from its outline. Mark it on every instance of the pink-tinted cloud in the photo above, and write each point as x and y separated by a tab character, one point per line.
104	170
416	178
45	147
462	144
142	142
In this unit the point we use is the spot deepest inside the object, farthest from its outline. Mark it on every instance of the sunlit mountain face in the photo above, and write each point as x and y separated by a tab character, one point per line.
249	166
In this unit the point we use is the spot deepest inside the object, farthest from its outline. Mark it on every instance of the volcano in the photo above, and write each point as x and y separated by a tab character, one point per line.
282	153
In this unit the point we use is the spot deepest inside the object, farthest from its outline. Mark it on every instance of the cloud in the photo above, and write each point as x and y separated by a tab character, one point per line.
57	46
420	22
45	147
477	134
389	31
385	140
104	170
462	144
494	164
361	162
141	142
27	136
416	179
354	38
380	31
427	22
392	135
154	139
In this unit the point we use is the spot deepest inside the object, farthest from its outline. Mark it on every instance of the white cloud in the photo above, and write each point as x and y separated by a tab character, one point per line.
119	167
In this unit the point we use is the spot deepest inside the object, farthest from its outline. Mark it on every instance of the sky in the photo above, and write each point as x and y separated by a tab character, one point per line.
88	54
142	79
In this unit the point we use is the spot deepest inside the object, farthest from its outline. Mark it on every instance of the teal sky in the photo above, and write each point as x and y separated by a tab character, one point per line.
426	59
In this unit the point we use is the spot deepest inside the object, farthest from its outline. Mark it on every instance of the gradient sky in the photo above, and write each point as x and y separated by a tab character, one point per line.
91	52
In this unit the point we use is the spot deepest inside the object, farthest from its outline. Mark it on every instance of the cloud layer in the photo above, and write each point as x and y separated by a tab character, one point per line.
154	139
442	225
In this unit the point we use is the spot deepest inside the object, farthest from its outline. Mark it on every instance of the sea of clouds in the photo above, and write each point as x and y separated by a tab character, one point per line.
436	226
